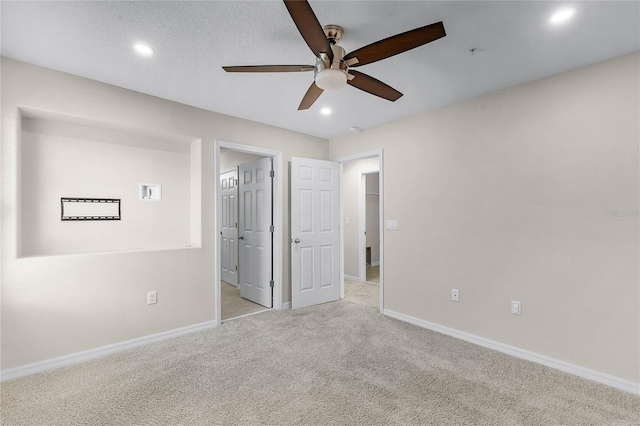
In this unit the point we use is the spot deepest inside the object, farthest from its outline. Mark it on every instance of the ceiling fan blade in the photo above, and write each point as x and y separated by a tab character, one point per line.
269	68
371	85
310	97
397	44
309	27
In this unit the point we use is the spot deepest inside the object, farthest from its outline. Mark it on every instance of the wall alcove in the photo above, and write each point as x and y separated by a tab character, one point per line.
63	157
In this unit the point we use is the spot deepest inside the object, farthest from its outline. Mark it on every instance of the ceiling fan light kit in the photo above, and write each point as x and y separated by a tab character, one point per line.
331	75
330	79
331	70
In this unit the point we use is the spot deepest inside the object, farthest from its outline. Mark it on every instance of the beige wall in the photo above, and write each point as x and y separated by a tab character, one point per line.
65	160
508	197
57	305
351	181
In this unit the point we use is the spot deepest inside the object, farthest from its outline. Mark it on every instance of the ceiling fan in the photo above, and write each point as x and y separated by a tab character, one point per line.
333	66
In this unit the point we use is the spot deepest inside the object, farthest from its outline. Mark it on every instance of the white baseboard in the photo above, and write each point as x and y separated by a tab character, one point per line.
351	278
285	306
375	263
606	379
75	358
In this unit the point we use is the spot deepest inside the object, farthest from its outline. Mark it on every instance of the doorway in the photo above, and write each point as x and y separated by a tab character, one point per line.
249	229
323	227
370	220
361	178
245	251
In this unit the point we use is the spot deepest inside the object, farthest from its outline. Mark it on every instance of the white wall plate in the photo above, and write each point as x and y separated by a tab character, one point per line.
150	192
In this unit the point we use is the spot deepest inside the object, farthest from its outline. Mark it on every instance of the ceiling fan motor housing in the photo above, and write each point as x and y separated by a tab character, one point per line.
331	76
333	32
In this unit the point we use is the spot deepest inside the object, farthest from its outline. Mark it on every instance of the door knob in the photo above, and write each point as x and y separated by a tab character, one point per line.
297	240
241	237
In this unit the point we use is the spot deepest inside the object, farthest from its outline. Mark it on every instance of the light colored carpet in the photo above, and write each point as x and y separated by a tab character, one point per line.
362	293
233	305
339	363
373	274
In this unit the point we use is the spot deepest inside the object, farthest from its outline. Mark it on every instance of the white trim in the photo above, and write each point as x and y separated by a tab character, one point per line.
381	230
596	376
379	153
361	156
376	263
246	315
278	234
102	351
342	275
351	278
286	306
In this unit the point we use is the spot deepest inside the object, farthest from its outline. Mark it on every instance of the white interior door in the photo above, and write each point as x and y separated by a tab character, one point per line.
256	231
229	232
315	232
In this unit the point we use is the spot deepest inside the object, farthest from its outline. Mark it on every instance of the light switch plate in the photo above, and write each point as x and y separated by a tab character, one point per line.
392	224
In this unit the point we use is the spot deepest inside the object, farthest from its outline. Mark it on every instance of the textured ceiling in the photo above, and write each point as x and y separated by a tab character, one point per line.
193	40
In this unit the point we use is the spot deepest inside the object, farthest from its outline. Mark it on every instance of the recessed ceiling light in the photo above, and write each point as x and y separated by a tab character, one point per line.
143	49
562	16
325	111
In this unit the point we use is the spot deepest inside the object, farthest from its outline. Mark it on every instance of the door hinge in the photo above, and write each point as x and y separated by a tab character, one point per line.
272	228
236	182
272	173
236	267
271	283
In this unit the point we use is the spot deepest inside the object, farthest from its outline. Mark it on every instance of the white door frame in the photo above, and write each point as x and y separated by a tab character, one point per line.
370	154
277	219
362	222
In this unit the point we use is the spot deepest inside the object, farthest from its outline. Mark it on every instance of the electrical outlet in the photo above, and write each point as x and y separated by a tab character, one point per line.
455	295
152	297
516	307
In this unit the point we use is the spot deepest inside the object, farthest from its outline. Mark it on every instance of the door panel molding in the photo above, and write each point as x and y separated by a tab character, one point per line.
229	226
256	207
315	232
